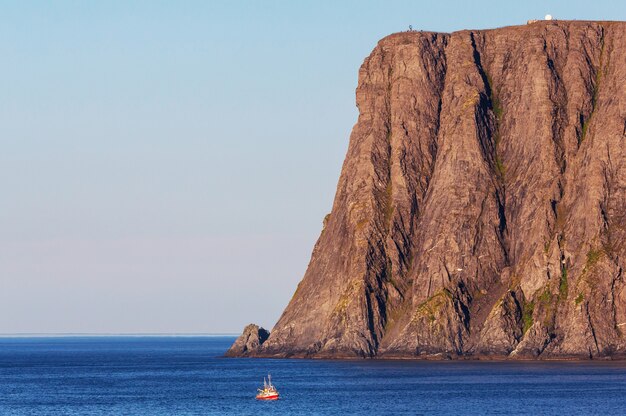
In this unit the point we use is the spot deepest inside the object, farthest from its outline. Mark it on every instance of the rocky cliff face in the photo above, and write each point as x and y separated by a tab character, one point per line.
481	208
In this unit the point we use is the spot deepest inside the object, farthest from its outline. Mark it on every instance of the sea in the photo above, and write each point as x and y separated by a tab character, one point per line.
187	375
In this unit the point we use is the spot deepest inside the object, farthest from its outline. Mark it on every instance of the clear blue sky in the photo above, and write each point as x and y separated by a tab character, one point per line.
165	166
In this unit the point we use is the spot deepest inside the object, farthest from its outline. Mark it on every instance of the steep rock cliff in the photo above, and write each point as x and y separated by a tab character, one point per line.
481	208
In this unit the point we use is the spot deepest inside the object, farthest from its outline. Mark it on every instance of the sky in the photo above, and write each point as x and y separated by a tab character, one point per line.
165	166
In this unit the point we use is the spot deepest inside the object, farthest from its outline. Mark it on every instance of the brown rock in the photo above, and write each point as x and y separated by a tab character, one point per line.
250	340
481	208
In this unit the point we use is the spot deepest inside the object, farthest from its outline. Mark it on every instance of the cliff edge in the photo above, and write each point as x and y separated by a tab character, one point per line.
481	208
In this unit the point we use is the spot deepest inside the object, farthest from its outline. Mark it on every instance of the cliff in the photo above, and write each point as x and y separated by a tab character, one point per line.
481	208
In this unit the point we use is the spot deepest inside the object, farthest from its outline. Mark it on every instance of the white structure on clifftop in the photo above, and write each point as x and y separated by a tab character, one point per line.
547	17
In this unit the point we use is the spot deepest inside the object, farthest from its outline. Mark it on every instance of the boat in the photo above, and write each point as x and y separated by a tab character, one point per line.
268	392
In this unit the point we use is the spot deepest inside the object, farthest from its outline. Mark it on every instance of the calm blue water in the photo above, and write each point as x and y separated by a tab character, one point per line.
186	376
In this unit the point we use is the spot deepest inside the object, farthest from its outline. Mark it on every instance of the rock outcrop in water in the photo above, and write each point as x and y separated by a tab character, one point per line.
250	340
481	208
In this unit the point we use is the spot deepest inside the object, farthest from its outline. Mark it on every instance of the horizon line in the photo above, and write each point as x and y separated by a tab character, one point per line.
113	334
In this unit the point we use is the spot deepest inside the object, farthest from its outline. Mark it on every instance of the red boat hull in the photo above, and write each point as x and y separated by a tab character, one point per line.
274	397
